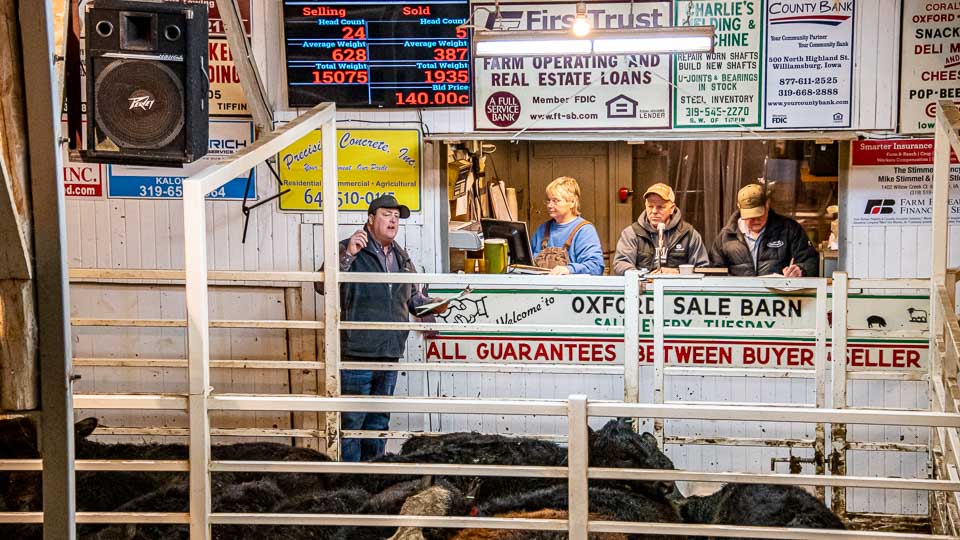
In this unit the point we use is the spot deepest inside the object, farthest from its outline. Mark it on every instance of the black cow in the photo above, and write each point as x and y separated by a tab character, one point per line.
761	505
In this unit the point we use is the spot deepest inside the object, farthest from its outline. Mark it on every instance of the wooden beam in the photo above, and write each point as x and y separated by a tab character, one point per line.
61	15
19	375
250	81
15	222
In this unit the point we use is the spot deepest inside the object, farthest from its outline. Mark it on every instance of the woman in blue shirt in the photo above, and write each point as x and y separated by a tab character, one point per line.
567	243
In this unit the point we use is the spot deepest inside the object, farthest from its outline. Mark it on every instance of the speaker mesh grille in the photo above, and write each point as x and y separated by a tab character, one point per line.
139	103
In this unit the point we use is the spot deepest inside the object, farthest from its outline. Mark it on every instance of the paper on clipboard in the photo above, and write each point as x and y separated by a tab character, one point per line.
427	308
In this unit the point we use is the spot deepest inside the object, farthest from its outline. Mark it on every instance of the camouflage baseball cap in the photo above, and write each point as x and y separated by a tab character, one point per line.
663	190
752	201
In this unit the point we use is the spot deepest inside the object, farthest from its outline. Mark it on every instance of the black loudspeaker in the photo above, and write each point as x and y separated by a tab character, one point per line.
824	160
147	82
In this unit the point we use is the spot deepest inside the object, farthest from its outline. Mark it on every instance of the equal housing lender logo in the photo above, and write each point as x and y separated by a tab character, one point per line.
823	12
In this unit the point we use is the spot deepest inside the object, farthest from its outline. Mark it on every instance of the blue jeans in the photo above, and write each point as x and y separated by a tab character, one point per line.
365	383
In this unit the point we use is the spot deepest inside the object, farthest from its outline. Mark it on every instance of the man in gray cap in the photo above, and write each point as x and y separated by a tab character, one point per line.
659	240
757	241
374	249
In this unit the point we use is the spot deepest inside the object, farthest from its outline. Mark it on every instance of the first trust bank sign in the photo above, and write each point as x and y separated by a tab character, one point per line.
541	93
891	183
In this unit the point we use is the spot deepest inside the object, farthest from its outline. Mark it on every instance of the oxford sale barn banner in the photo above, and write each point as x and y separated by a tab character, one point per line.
572	92
720	89
226	138
891	183
929	61
809	64
733	313
370	163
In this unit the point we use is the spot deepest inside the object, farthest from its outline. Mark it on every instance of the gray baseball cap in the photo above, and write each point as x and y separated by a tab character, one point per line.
388	201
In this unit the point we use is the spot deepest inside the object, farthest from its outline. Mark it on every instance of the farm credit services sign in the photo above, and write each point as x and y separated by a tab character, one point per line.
734	313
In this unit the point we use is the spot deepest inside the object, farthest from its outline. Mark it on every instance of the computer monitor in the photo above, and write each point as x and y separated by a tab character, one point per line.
515	233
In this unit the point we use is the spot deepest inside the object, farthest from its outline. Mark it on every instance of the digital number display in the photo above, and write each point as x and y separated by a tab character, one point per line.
378	54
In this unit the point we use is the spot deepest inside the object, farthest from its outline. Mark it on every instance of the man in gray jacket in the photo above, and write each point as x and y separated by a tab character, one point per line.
374	249
659	240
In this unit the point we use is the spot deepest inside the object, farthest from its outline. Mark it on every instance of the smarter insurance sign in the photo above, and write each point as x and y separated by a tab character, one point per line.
891	183
572	92
735	313
929	61
720	89
370	163
809	64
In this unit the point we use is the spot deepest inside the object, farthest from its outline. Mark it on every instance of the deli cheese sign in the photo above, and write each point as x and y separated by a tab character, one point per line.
732	313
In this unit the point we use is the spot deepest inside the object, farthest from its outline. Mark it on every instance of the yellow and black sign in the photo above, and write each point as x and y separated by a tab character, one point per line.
370	163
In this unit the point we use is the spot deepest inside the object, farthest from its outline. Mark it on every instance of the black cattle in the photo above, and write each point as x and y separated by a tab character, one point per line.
616	504
761	505
617	445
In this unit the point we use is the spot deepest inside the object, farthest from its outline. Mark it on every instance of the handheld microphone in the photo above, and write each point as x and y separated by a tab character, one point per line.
661	253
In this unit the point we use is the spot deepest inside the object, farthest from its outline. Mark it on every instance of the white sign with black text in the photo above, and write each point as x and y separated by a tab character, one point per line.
572	93
891	183
929	61
809	64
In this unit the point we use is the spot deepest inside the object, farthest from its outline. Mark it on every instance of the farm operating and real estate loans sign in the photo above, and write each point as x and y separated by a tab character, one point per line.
735	313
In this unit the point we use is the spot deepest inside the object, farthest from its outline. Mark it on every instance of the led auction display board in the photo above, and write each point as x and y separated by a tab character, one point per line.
377	54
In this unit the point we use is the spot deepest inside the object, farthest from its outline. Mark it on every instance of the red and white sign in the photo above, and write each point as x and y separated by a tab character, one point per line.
734	312
226	94
929	61
737	353
891	183
82	179
895	152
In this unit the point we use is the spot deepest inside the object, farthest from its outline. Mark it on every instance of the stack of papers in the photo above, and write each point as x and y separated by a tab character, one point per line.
427	308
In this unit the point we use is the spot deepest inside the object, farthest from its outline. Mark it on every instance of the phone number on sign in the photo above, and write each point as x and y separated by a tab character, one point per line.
718	111
176	191
789	92
809	80
348	197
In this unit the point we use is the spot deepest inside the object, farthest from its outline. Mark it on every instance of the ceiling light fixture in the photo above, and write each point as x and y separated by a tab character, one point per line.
663	40
581	27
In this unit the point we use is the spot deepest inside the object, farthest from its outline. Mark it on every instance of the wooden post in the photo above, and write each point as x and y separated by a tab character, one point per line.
43	107
820	368
250	81
331	294
19	377
838	432
302	381
19	372
578	462
198	347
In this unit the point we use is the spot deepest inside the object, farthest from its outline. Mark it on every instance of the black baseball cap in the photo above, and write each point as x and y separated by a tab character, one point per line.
388	201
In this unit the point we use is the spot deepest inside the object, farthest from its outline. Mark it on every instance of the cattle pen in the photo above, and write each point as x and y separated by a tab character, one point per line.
922	350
